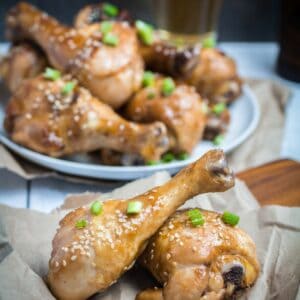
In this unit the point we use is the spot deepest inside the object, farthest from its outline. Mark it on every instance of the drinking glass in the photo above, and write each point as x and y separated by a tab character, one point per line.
187	21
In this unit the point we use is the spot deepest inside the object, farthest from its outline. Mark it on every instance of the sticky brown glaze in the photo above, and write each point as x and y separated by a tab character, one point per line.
93	13
215	76
111	73
217	124
182	112
206	262
210	70
89	260
22	61
39	116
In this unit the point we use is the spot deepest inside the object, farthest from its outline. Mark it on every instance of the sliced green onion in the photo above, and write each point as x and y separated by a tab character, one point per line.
68	87
219	108
152	162
148	78
151	95
182	156
106	26
230	218
134	207
196	217
51	74
145	32
168	86
209	42
168	157
81	223
110	39
205	108
96	208
110	9
218	140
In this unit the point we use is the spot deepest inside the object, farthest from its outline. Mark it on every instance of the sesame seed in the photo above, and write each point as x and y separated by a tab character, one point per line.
168	256
171	226
64	263
56	264
73	257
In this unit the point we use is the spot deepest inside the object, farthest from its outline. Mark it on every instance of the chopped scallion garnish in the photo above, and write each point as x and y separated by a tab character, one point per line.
51	74
152	162
110	10
134	207
110	39
168	157
230	218
96	208
106	26
168	86
81	223
182	156
218	139
145	32
68	87
209	42
196	217
219	108
148	78
151	95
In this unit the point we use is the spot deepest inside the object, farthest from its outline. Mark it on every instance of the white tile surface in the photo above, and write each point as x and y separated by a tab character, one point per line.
13	189
47	194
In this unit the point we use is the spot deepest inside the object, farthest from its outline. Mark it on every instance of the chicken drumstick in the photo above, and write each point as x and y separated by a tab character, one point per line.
181	111
211	261
105	61
22	62
58	117
210	70
91	251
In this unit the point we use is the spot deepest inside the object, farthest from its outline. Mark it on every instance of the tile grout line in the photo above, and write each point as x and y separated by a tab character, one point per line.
28	190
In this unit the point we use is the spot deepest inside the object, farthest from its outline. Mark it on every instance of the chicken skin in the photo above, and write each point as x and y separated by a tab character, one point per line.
91	251
45	116
209	70
23	61
211	261
95	13
217	123
106	62
213	73
181	111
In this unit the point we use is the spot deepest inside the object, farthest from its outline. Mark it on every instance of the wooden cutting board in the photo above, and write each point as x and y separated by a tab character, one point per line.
276	182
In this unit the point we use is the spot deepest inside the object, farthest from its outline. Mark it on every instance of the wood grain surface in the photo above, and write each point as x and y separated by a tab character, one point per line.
276	182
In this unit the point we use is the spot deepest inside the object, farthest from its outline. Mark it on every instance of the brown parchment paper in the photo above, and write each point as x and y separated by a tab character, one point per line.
264	144
25	244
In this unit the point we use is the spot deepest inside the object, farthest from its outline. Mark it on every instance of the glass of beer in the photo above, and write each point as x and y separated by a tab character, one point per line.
187	21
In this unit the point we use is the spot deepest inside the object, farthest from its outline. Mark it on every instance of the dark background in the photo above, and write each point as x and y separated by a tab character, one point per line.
240	20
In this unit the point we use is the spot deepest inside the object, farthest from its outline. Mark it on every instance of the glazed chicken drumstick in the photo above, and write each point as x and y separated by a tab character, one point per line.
211	71
22	62
104	60
181	111
58	117
208	262
91	250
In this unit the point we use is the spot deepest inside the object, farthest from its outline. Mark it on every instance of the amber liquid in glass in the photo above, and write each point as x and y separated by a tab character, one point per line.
187	21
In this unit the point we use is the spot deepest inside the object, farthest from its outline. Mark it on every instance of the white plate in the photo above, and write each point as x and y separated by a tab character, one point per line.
244	119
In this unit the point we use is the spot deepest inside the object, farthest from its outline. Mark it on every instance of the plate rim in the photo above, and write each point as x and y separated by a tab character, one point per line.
118	172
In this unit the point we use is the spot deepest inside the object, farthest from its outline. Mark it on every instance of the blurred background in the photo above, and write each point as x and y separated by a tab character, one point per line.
240	20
